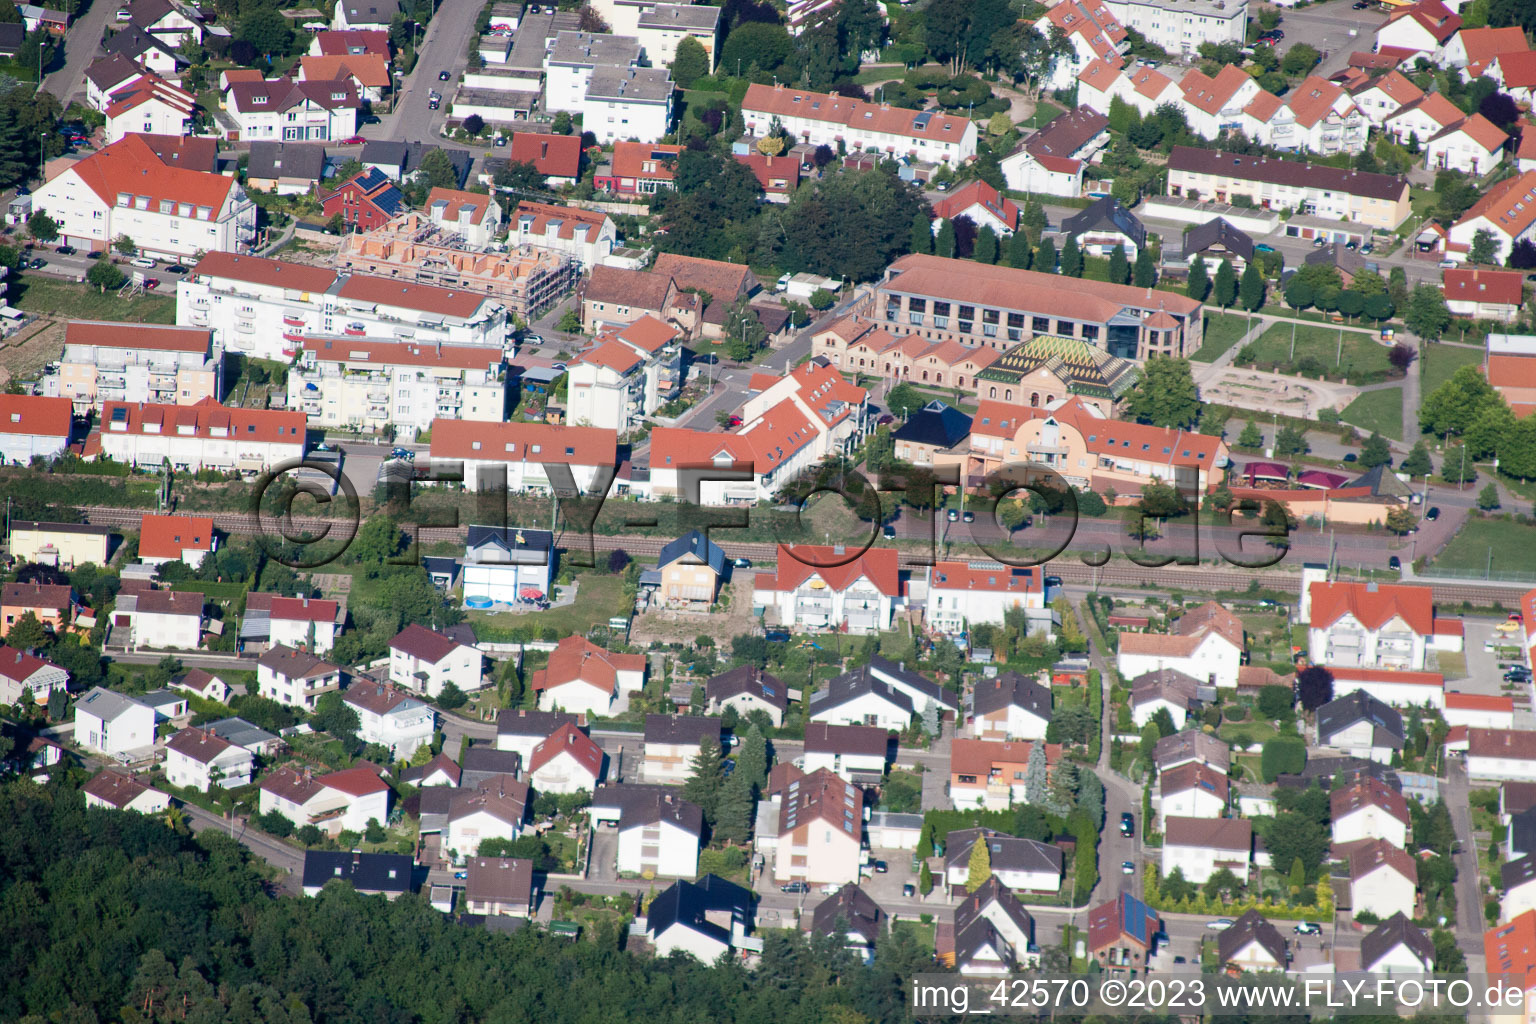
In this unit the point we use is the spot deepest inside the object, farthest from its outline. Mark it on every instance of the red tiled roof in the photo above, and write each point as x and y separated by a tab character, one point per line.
1211	94
963	576
303	609
19	666
838	568
35	415
1479	129
163	536
293	785
145	88
554	156
207	419
401	353
648	160
300	277
201	745
775	174
978	193
1511	948
1369	856
1369	792
647	334
569	740
1432	680
369	69
335	42
578	659
159	337
1478	702
131	167
1480	285
1311	101
615	356
360	781
822	795
1230	835
457	200
533	442
1434	16
280	94
1518	69
1372	607
1506	371
422	297
1512	744
1484	44
424	644
117	788
859	115
571	219
376	697
977	757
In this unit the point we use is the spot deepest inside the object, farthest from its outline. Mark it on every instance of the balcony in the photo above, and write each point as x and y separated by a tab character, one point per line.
379	397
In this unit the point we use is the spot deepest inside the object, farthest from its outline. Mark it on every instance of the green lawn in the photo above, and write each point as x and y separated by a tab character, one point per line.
1438	362
922	932
1248	731
598	599
1511	544
1222	331
1045	111
1377	410
83	302
1362	360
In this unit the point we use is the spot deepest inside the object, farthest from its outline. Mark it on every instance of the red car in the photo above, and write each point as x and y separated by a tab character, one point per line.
356	140
151	283
734	421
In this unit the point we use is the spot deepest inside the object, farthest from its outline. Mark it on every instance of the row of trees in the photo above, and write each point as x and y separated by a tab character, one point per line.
1468	408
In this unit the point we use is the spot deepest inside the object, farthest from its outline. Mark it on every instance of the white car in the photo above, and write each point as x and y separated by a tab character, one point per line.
1221	924
147	264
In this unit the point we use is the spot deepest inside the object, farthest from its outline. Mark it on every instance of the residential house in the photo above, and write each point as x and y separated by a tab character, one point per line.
1102	226
1122	934
1216	242
931	433
1323	119
1212	105
567	762
658	832
860	345
1191	747
476	218
1423	118
1482	710
370	874
442	770
1397	946
169	705
144	50
990	774
583	678
705	919
1020	864
672	742
165	619
303	622
1362	726
961	595
628	103
425	661
1180	27
557	157
1206	643
851	917
777	176
816	587
204	435
493	810
1483	294
1501	754
345	800
917	688
499	887
525	455
170	21
126	189
1093	32
828	119
105	361
54	605
982	205
1010	706
858	697
630	373
1516	73
748	688
149	105
111	723
1199	847
365	201
855	753
663	26
586	236
1418	30
522	730
483	763
1192	790
243	734
24	673
1051	160
1397	687
1510	362
105	76
294	677
59	545
1163	689
1475	50
1518	878
200	759
391	718
33	427
1511	948
374	15
989	913
637	168
1367	198
1383	880
118	791
976	949
1474	145
691	568
1378	98
1369	809
1507	210
1251	943
1369	625
819	830
367	73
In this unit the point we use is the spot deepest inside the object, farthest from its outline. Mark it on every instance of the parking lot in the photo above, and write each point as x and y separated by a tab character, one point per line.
1335	28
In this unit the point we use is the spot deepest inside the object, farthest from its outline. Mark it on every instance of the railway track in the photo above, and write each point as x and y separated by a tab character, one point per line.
1116	573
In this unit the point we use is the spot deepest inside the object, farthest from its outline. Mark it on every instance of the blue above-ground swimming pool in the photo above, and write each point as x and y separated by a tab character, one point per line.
478	602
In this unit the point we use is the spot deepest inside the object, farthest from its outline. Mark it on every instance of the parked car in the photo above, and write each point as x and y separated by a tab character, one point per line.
1051	581
37	264
1308	928
1221	924
1351	245
353	140
742	563
1127	824
151	283
144	262
888	531
123	15
175	268
501	140
1433	513
1181	960
1127	868
794	887
1447	264
1351	457
968	516
532	339
65	250
1395	564
1367	249
1319	242
775	636
1261	247
402	453
734	421
880	867
909	890
954	515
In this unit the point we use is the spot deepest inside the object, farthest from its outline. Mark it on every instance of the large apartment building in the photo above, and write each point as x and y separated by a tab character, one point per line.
364	384
126	362
826	119
940	299
202	436
626	376
524	452
266	308
1375	200
1180	26
127	191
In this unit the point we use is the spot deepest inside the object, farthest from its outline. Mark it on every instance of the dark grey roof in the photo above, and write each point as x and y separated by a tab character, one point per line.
1517	872
824	737
239	732
368	872
1218	234
993	891
1382	482
1008	853
386	152
747	679
507	539
1166	683
1106	215
12	35
370	12
1338	715
23	524
688	730
133	42
1251	927
1516	797
286	160
1011	689
855	684
1321	771
1287	172
1392	932
521	722
1522	833
699	546
860	914
902	678
687	903
940	425
483	762
1191	743
972	934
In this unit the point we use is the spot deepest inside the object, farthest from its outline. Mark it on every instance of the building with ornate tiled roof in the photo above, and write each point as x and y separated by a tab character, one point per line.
1047	368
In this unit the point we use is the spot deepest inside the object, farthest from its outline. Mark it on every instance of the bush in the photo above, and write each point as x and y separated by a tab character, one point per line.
1235	713
1283	755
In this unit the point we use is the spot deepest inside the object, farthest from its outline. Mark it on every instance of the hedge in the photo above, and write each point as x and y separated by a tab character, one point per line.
1200	904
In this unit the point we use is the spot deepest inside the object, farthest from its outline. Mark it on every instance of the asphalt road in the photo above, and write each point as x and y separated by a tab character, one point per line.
80	48
443	48
275	852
